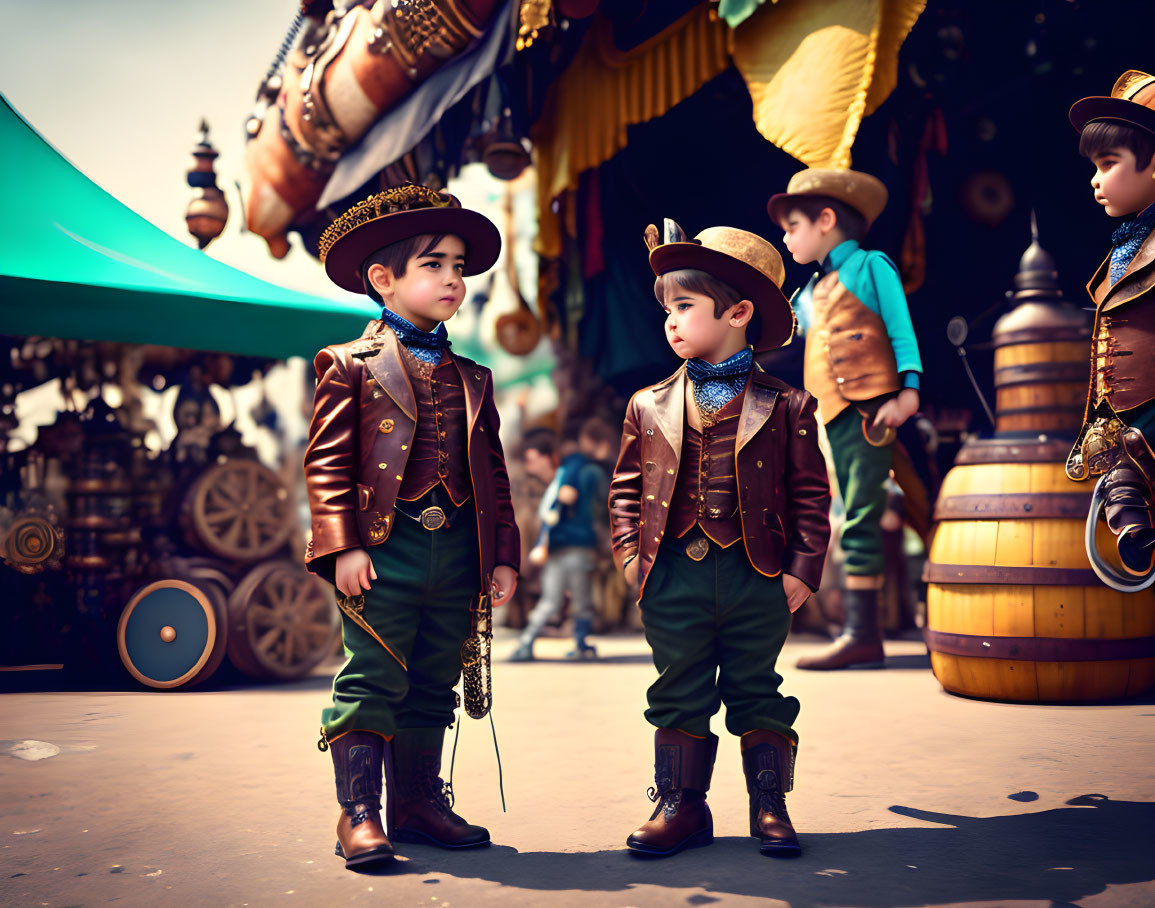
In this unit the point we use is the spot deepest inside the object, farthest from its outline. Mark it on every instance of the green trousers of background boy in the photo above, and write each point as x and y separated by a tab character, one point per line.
716	627
419	606
862	471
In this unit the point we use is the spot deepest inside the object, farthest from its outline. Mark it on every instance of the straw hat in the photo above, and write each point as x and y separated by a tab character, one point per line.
865	194
739	258
1132	100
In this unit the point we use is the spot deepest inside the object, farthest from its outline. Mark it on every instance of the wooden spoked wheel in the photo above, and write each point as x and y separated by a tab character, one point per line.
173	633
239	510
282	621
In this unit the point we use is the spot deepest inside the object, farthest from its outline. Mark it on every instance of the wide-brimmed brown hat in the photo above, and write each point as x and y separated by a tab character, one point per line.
396	214
739	258
1132	100
864	193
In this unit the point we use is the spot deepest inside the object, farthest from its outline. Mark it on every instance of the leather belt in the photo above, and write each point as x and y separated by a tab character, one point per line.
434	510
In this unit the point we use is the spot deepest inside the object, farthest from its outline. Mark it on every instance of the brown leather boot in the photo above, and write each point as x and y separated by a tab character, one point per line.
768	761
357	765
419	807
860	643
683	765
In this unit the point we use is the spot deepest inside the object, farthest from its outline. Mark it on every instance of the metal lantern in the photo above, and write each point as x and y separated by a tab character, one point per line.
209	210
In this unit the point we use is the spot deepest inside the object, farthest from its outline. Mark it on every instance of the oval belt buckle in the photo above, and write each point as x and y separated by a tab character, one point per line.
697	549
433	518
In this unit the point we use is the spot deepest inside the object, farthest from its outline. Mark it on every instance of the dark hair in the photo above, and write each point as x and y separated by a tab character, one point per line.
542	440
849	220
396	256
598	431
723	295
1099	135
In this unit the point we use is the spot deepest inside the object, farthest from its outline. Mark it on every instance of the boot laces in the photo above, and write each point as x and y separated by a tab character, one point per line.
770	796
671	798
360	813
438	791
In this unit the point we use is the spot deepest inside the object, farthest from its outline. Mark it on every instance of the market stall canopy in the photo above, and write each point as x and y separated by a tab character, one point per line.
76	263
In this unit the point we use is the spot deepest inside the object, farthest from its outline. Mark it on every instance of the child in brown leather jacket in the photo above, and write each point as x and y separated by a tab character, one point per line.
719	510
1117	133
411	512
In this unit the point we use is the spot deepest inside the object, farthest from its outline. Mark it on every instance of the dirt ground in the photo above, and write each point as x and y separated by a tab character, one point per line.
905	796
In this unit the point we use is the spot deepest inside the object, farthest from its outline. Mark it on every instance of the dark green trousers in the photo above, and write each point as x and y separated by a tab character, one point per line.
716	627
419	605
862	471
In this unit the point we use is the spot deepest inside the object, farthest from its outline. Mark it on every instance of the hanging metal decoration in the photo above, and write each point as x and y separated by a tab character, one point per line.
208	211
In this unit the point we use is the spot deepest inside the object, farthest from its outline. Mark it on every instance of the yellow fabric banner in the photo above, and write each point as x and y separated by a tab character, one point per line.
815	69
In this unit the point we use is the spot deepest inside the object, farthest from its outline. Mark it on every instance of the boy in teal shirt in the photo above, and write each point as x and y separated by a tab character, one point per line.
862	364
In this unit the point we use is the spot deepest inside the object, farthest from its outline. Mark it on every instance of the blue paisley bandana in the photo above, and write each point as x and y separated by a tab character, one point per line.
426	346
716	384
1127	239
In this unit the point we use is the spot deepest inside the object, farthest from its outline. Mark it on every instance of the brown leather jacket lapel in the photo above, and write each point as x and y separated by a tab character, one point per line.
670	409
473	380
756	407
389	372
1136	280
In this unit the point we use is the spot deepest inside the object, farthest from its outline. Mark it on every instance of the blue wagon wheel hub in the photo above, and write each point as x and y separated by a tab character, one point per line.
166	633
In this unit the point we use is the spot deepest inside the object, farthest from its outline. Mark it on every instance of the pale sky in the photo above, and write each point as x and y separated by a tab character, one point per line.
120	86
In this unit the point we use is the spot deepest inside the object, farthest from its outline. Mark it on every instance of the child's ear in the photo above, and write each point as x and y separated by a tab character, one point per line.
827	220
380	277
741	313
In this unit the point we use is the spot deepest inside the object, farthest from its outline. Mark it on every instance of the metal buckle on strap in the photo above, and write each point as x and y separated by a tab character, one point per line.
433	518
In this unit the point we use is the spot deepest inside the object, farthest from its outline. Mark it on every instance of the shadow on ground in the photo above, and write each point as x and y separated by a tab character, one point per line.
1060	855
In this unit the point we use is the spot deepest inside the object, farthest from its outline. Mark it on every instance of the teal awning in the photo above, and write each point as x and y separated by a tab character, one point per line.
76	263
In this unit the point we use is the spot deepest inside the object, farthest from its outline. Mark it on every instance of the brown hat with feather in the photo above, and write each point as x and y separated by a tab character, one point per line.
744	260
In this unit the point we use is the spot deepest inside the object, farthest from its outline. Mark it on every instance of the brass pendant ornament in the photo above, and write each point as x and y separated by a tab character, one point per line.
476	668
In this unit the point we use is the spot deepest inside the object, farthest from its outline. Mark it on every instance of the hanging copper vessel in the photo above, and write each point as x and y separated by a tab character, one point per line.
208	211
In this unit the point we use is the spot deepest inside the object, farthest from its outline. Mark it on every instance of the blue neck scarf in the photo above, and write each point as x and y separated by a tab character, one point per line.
425	346
1128	238
716	384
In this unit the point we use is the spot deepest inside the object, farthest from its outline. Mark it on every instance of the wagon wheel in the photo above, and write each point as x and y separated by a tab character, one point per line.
282	621
239	510
209	569
173	633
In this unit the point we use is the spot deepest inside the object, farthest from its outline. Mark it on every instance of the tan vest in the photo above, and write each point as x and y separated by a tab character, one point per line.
848	353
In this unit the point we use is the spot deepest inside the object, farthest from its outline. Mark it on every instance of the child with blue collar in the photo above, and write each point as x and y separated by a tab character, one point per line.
862	364
1117	134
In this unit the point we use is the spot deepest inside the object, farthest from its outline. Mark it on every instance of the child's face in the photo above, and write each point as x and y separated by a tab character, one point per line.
693	330
807	240
1119	186
539	465
432	289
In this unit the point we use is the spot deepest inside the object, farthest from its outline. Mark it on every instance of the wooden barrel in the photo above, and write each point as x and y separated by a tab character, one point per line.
1042	367
1014	611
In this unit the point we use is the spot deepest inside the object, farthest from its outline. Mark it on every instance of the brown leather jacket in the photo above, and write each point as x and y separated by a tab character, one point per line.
783	493
364	418
1123	341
